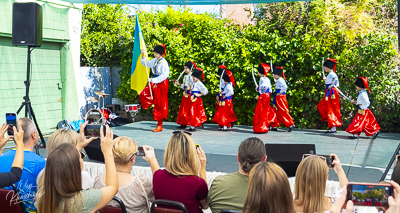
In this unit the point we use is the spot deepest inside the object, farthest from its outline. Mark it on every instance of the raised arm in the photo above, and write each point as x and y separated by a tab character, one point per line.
339	171
111	188
150	156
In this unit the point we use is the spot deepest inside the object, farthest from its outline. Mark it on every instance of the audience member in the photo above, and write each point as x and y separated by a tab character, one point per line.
33	164
62	190
310	184
68	136
269	190
229	191
396	173
8	178
135	191
180	181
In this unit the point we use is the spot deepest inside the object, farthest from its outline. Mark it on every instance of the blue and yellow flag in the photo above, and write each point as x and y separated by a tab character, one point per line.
139	72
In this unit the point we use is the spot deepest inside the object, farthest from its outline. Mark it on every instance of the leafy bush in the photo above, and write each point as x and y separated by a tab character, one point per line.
293	35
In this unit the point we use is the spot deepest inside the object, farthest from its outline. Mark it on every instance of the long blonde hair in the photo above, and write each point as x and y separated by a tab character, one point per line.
269	190
180	156
123	150
310	184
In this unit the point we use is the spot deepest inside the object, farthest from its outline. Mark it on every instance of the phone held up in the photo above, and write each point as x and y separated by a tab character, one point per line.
140	151
11	119
327	158
369	194
93	130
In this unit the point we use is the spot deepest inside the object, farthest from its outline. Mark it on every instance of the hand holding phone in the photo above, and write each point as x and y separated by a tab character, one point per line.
11	119
140	151
93	130
369	194
3	139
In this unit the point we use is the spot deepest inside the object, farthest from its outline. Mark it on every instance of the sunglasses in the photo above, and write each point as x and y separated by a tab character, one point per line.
322	157
83	155
180	132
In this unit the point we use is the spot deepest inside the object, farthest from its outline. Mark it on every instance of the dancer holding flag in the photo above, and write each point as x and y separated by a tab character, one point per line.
264	115
225	115
329	106
281	107
184	109
197	114
156	92
221	70
364	121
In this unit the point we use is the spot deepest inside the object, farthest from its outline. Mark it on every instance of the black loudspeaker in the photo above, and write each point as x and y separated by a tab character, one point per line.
93	150
288	156
27	26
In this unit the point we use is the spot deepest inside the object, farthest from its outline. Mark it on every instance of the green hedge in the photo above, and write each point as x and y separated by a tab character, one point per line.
297	44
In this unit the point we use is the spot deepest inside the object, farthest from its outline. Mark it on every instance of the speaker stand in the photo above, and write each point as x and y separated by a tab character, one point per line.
27	102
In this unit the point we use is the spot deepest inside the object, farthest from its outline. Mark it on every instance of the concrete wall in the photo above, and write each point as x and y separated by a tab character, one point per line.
55	65
237	12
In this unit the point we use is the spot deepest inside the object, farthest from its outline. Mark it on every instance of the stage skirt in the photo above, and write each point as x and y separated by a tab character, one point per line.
264	115
282	112
184	109
160	96
330	109
197	114
366	123
225	114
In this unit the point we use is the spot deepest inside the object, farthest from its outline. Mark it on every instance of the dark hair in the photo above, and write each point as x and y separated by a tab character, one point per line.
251	151
62	179
396	174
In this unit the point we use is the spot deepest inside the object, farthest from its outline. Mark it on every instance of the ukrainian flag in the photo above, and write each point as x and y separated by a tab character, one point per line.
139	72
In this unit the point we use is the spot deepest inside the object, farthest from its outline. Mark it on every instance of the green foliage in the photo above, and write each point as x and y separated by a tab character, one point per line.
294	35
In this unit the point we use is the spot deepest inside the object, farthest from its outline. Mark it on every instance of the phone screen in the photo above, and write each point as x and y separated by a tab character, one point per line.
11	119
141	152
92	130
369	194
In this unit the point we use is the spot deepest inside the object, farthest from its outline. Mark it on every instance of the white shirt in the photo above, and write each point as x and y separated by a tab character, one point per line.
332	79
228	90
199	87
281	85
363	100
221	84
158	67
264	85
187	81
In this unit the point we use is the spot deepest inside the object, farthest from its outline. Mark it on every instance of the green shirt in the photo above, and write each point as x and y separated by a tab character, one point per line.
228	192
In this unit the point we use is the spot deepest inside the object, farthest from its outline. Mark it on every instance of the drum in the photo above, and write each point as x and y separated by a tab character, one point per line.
132	108
106	113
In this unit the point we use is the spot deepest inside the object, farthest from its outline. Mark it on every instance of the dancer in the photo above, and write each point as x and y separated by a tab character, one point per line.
159	86
280	102
329	106
364	121
264	115
197	114
183	114
221	70
225	115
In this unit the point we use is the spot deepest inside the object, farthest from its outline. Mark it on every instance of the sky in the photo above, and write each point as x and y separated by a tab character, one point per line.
196	8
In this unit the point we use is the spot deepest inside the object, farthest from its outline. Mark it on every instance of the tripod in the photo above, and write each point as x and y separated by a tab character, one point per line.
27	102
390	163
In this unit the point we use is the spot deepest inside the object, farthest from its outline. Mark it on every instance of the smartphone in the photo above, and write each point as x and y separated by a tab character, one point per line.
11	119
369	194
328	159
197	145
93	130
140	150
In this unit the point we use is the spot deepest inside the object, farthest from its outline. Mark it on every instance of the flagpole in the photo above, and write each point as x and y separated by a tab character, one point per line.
149	83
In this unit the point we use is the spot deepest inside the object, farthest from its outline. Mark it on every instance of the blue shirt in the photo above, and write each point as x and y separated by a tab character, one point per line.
27	187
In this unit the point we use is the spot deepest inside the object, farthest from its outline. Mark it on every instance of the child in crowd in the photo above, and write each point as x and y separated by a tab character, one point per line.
197	114
364	121
225	115
183	114
280	102
264	115
329	106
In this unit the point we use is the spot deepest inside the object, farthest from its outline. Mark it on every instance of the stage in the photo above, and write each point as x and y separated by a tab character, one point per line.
363	159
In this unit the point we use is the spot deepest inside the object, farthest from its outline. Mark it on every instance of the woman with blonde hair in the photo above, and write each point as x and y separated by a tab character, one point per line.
80	141
135	191
310	184
184	176
269	190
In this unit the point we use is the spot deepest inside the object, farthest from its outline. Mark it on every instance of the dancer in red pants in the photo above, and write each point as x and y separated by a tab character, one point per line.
280	102
264	115
159	86
225	115
364	121
221	70
329	106
197	114
184	109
